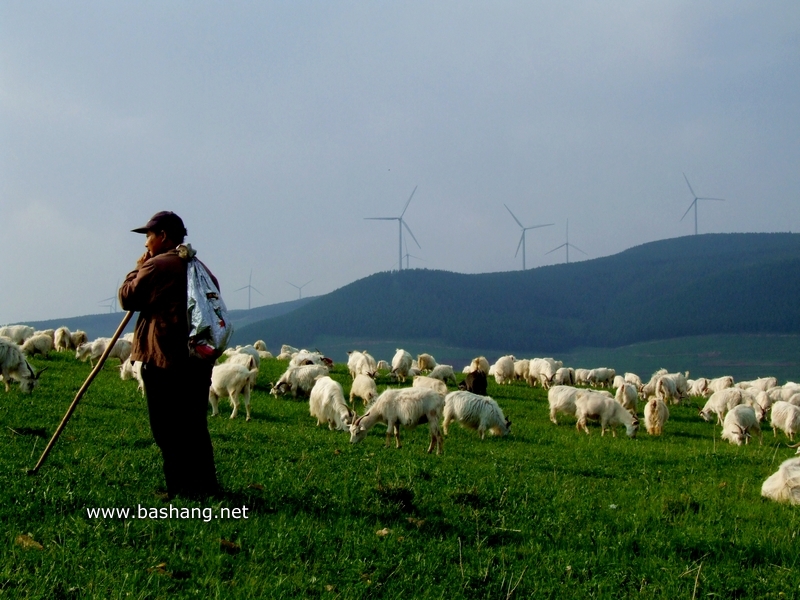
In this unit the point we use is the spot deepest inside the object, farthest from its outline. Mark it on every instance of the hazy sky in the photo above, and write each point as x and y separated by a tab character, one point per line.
274	128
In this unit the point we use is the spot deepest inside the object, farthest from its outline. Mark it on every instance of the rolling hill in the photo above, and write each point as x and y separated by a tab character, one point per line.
690	286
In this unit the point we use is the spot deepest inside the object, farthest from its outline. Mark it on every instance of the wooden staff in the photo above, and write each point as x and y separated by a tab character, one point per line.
82	391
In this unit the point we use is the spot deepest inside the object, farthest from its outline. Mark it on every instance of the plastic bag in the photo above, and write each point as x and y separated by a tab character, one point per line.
209	325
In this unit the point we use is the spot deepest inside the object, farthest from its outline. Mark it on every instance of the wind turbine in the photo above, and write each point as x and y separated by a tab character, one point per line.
522	239
694	203
248	287
300	287
112	301
400	224
566	245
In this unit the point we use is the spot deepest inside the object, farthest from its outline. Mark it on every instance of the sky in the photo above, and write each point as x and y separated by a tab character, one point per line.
275	128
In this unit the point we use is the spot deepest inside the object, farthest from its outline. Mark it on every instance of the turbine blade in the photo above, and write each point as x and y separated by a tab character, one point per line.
554	249
520	243
690	208
381	218
256	290
578	249
291	284
410	233
690	186
408	202
538	226
513	217
244	287
307	282
720	199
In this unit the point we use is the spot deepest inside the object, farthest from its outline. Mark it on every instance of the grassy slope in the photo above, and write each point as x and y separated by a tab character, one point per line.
544	513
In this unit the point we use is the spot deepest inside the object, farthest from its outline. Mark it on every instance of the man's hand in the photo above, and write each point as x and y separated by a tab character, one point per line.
143	259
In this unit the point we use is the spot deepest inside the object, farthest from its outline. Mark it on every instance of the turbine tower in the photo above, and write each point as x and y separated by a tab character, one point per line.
400	224
566	245
300	287
522	238
248	287
694	203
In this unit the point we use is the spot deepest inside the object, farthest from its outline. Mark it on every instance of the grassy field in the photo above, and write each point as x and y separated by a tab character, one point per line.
544	513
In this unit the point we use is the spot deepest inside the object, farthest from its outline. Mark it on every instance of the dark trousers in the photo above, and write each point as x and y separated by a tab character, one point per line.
177	400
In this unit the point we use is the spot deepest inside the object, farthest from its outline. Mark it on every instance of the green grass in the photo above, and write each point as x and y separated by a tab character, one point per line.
544	513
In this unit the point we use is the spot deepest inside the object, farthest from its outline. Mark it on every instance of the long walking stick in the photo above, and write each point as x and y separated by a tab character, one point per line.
82	391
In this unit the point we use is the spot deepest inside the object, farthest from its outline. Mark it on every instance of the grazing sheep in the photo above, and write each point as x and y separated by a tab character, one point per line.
656	414
602	376
738	424
424	381
444	373
784	484
298	379
363	387
666	389
407	407
62	340
762	384
720	403
475	412
479	364
14	366
561	399
306	357
231	380
504	369
246	360
786	417
132	370
384	366
564	376
698	387
608	411
474	382
249	350
361	363
326	402
94	350
521	369
40	343
634	379
425	362
401	364
542	370
627	396
260	346
618	381
719	383
17	333
582	376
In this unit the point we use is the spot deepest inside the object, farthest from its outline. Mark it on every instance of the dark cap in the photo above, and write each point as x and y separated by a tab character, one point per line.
166	221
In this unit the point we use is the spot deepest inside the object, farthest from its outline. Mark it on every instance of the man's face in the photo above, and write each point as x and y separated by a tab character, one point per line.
156	243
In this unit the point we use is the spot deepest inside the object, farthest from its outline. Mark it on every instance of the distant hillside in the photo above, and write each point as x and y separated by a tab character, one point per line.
689	286
105	324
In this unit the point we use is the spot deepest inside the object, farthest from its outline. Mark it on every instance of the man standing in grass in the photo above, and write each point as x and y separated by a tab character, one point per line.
175	383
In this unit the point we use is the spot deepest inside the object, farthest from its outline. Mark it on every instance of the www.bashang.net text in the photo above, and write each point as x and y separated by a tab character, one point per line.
168	512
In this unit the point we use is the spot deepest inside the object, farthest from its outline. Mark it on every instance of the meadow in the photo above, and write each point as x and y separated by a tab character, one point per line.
546	512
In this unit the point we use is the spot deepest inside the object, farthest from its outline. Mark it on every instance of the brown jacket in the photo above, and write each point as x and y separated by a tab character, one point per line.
157	290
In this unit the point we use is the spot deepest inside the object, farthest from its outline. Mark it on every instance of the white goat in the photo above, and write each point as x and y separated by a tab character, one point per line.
94	350
504	369
298	379
475	412
443	373
602	376
260	345
784	484
608	411
425	362
561	399
132	370
231	380
720	403
363	387
656	415
627	396
326	403
407	407
361	363
14	366
17	333
401	364
521	369
738	424
437	385
40	343
479	363
786	417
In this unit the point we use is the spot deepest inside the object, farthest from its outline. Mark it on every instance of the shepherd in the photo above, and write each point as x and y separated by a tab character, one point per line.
176	381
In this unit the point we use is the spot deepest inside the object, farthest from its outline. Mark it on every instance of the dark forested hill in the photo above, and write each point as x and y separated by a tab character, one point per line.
696	285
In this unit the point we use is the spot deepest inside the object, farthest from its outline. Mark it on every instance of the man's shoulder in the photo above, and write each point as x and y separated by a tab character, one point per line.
167	261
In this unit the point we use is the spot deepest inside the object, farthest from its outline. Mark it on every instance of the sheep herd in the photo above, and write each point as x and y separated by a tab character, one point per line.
586	394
